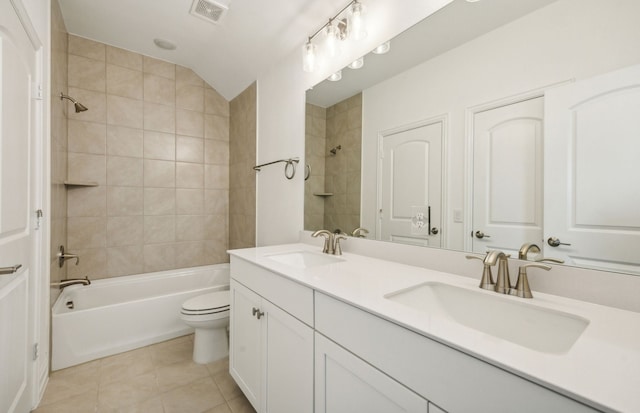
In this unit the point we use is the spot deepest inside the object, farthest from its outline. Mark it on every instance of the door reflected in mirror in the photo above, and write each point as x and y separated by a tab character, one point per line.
533	105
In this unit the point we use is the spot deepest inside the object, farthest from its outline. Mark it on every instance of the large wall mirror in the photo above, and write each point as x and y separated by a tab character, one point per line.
489	125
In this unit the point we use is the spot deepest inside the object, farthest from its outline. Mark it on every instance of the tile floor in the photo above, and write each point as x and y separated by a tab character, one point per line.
160	378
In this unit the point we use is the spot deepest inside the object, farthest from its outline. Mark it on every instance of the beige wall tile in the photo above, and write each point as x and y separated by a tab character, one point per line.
216	228
123	111
190	227
124	141
87	137
123	201
158	257
85	167
189	123
189	254
85	232
159	228
159	118
124	58
158	89
93	263
216	177
215	104
189	149
216	127
159	67
125	260
189	201
159	201
88	48
86	73
123	171
216	201
87	201
124	82
159	174
186	76
190	97
189	175
216	152
96	102
123	231
158	145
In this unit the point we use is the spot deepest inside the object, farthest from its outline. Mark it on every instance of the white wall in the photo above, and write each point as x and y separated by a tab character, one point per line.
569	39
281	104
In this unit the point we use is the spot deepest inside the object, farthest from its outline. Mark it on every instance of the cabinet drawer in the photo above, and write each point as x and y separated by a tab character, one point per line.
292	297
447	377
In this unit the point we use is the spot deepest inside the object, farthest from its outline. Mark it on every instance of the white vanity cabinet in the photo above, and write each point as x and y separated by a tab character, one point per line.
271	348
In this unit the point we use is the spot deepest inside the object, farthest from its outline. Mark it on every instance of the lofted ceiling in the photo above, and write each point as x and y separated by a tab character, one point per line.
250	38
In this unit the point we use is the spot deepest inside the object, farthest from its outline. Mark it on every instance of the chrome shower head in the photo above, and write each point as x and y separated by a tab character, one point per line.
79	106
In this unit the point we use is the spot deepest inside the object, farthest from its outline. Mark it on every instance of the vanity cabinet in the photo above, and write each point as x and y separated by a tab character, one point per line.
271	350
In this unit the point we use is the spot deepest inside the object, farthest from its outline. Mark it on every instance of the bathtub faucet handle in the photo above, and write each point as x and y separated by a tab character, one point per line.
63	256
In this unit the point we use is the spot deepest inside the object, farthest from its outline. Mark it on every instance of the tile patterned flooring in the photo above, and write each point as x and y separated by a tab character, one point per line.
161	378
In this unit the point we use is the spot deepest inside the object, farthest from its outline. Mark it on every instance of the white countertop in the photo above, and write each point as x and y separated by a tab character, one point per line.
602	368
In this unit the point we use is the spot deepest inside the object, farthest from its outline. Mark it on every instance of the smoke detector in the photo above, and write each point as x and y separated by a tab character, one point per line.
211	11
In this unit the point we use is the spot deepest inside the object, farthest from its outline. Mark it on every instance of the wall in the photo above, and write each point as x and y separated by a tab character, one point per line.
156	141
569	39
315	148
242	177
58	144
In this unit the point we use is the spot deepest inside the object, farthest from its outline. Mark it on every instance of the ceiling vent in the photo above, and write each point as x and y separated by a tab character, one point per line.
208	10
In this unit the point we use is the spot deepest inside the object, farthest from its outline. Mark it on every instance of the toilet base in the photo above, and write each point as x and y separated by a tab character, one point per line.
210	344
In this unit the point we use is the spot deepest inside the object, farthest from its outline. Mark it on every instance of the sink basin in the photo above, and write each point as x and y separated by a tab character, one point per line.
304	259
537	328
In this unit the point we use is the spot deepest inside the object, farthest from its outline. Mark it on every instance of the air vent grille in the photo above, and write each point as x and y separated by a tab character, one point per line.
210	11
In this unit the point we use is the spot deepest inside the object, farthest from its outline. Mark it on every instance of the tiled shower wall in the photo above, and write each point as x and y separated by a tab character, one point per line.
242	178
156	141
341	210
58	212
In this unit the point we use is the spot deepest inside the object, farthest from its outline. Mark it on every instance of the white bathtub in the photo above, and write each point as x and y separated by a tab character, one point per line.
120	314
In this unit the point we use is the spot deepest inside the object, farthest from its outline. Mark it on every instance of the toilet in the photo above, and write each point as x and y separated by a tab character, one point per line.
209	315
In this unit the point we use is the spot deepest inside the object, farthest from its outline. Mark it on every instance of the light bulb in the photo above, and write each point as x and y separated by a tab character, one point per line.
309	60
331	40
383	48
356	23
335	76
357	64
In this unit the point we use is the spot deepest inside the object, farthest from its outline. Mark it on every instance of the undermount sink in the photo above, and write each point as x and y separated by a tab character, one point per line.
303	259
531	326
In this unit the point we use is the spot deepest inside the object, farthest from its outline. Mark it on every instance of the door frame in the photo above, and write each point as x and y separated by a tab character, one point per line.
470	113
444	200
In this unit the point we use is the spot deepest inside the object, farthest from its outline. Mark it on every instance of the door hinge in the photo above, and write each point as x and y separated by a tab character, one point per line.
36	352
38	93
39	215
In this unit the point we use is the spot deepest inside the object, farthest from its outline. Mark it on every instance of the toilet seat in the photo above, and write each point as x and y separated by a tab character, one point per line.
212	303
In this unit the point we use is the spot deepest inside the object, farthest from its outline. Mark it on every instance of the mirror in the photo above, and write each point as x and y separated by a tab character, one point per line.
418	145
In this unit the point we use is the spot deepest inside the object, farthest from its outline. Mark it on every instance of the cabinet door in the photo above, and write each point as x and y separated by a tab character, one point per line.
346	384
289	363
245	345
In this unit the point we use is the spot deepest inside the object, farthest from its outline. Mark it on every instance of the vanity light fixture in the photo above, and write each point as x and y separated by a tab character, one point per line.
335	76
356	64
347	24
383	48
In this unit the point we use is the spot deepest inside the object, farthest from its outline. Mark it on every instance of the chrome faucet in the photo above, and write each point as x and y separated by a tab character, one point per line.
72	281
328	240
503	282
359	232
529	247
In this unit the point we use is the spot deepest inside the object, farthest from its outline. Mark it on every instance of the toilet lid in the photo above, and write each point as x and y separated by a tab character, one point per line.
212	302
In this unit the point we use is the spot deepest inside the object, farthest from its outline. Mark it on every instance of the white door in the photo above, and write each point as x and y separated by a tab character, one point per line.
410	185
507	176
347	384
17	131
592	191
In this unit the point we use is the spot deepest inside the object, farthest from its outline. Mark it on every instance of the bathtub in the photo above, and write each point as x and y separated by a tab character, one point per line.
120	314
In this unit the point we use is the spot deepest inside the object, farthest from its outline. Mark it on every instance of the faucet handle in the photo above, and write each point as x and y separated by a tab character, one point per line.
328	240
487	278
522	288
337	249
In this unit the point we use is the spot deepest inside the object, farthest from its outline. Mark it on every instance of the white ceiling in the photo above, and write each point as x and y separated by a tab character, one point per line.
252	37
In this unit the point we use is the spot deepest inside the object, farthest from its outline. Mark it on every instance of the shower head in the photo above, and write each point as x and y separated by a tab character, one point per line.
79	106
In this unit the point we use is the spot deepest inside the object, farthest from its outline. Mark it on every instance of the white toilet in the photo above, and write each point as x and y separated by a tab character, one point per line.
209	315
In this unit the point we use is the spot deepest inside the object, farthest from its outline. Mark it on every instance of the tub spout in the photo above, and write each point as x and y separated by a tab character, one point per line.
65	283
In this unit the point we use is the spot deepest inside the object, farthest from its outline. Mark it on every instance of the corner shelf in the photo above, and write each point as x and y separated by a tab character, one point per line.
74	184
323	194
